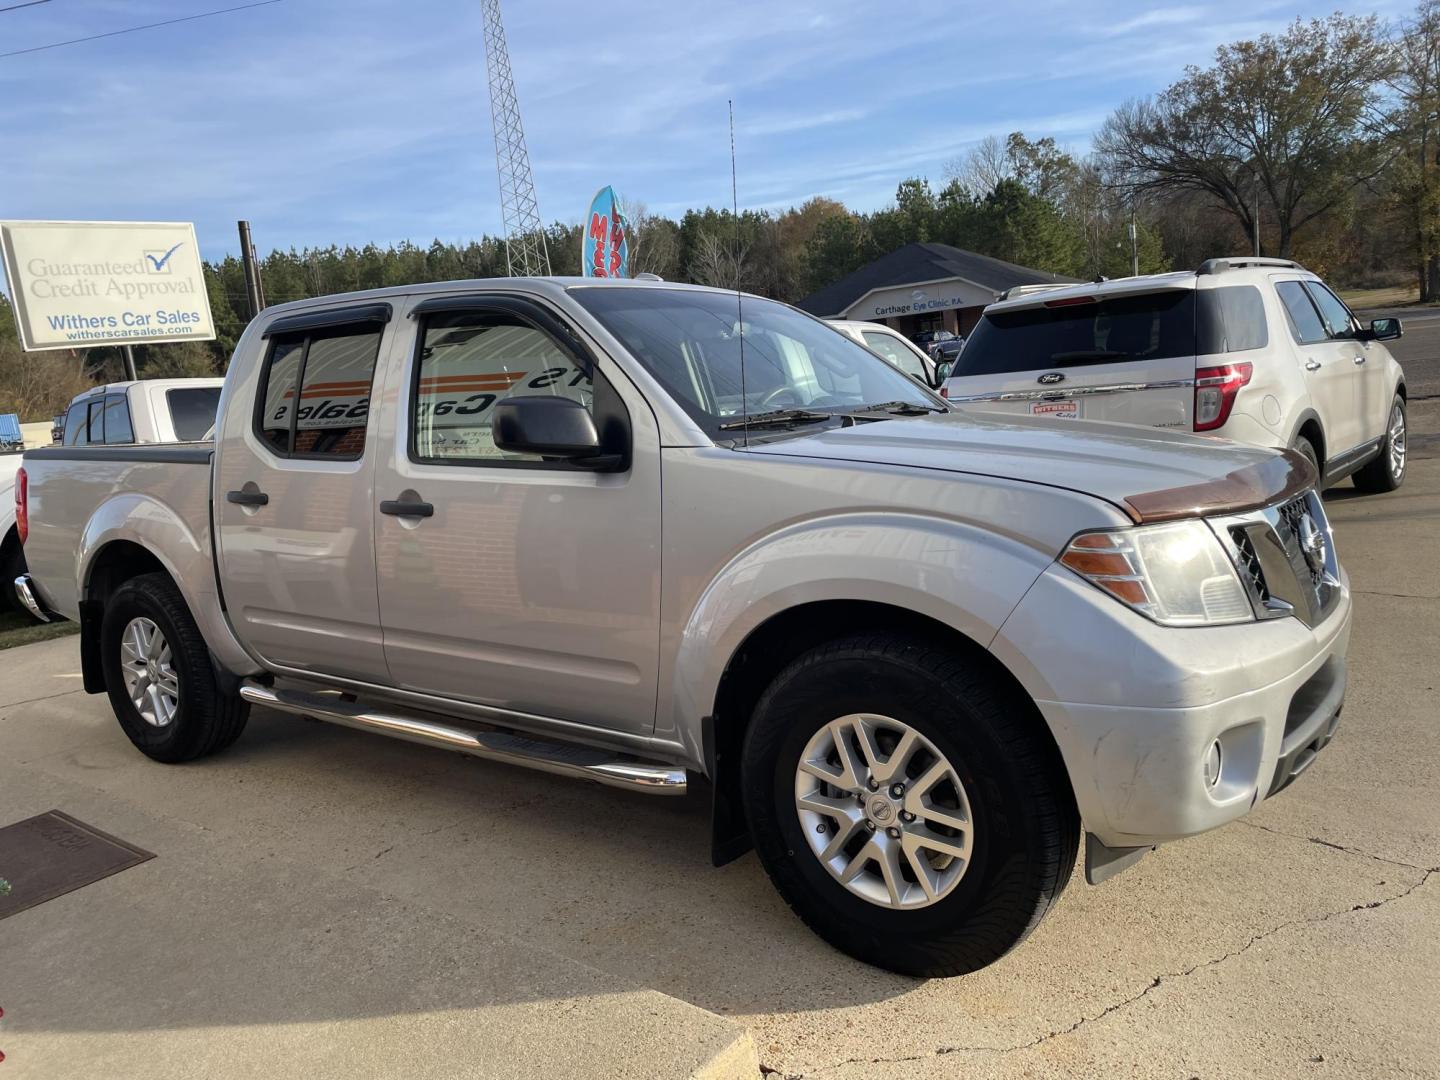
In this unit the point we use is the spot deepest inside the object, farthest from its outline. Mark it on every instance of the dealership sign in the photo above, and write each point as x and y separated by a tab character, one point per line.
79	284
605	245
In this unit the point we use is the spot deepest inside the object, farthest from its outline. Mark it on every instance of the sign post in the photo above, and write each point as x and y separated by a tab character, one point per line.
83	284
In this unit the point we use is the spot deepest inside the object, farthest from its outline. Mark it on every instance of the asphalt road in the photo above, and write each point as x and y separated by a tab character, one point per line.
326	896
1418	350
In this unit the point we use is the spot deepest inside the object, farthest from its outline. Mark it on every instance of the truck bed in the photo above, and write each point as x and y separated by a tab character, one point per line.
82	497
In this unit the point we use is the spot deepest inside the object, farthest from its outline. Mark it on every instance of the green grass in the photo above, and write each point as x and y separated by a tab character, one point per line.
17	628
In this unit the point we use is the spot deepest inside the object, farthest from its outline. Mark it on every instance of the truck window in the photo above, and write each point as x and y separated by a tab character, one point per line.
192	411
77	424
1304	319
469	361
333	369
116	420
896	353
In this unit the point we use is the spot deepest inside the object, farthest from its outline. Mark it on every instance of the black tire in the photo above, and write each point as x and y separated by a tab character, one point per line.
1380	475
12	565
1306	449
206	720
1026	826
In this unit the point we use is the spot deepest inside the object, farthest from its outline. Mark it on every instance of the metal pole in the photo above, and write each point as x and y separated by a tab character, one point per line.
252	272
1134	247
1256	219
130	364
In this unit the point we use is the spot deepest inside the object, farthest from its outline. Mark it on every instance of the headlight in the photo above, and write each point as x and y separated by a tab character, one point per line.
1176	573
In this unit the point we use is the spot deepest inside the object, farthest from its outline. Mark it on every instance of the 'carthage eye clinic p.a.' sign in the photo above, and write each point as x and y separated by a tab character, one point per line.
78	284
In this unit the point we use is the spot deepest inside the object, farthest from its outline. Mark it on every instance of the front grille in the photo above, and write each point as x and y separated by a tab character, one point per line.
1269	550
1249	564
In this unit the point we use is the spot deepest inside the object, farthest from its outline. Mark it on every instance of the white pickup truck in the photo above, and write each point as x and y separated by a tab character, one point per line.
143	411
639	533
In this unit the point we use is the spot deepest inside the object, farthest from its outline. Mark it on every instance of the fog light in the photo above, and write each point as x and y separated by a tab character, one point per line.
1212	765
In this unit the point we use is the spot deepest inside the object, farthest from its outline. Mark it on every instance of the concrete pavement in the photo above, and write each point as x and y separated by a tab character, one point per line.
478	914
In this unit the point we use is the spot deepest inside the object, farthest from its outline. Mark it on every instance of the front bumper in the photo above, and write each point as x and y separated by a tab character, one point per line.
1136	708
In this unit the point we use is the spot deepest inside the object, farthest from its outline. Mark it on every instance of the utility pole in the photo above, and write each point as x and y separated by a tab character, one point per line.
1134	245
1255	220
254	288
525	252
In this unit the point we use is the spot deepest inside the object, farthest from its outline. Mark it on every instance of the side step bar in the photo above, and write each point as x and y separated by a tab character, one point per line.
563	759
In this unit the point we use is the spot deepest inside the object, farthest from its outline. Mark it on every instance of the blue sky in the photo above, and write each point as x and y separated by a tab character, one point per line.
351	121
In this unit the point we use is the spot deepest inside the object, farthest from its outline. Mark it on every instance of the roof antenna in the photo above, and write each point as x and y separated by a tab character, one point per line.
739	312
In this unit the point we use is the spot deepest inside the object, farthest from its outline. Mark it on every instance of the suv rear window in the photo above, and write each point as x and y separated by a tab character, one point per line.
1112	330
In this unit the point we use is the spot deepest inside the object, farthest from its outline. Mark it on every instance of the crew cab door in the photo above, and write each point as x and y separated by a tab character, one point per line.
294	496
506	580
1328	361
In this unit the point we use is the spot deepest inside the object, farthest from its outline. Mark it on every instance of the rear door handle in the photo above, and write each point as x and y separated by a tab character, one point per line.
1312	365
247	498
1361	359
397	508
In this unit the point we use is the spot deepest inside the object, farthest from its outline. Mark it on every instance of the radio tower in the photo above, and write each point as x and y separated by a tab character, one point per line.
525	252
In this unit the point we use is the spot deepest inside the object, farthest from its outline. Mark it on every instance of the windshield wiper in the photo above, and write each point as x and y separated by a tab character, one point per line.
777	417
1089	354
902	408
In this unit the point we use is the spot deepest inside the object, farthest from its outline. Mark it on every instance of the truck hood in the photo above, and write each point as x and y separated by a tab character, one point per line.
1149	473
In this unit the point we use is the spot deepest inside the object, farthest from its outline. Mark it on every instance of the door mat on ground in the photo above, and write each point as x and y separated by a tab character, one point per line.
51	854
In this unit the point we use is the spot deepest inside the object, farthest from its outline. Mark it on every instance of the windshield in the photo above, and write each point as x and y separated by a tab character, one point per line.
691	342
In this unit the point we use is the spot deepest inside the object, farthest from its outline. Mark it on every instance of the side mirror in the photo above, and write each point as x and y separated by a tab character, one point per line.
1383	330
942	372
556	428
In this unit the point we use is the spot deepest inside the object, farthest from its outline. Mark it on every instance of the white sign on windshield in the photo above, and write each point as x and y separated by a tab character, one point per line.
79	284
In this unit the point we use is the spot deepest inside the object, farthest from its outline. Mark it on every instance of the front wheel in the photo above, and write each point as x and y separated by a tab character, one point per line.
907	804
1386	471
158	674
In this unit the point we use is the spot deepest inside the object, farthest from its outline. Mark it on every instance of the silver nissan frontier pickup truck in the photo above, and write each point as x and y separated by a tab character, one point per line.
644	533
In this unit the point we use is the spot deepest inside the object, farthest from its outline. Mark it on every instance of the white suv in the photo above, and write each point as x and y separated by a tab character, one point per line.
1256	350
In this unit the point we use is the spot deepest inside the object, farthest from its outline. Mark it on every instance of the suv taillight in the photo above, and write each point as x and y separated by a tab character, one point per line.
22	505
1215	390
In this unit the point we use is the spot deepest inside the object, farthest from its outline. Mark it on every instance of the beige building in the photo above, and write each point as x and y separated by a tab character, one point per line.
923	287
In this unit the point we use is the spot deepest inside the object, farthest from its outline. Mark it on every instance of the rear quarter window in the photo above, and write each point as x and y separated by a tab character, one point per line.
1230	319
192	411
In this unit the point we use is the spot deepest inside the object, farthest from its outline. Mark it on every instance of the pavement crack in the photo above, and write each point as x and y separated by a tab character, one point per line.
42	697
1396	595
1153	984
1320	841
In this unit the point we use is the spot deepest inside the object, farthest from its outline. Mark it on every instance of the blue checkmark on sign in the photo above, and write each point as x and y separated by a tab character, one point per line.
159	263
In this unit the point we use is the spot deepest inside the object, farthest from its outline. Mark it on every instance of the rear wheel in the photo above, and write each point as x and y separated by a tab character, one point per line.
12	565
906	804
1306	449
1386	471
157	672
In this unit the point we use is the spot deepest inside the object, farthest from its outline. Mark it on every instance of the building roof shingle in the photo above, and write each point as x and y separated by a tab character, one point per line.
922	262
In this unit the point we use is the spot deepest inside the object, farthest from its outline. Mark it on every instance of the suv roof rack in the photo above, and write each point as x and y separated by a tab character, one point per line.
1025	290
1219	266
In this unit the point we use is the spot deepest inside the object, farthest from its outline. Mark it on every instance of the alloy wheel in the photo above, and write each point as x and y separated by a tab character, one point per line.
1396	438
149	672
884	811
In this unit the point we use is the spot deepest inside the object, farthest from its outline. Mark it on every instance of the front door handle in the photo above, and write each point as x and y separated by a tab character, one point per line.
247	498
1312	365
1361	359
401	508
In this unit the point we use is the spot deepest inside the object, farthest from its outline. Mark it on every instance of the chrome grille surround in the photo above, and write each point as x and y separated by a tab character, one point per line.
1285	556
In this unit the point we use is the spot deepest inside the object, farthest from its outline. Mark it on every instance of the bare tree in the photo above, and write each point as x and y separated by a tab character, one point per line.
981	169
654	246
717	261
1290	121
